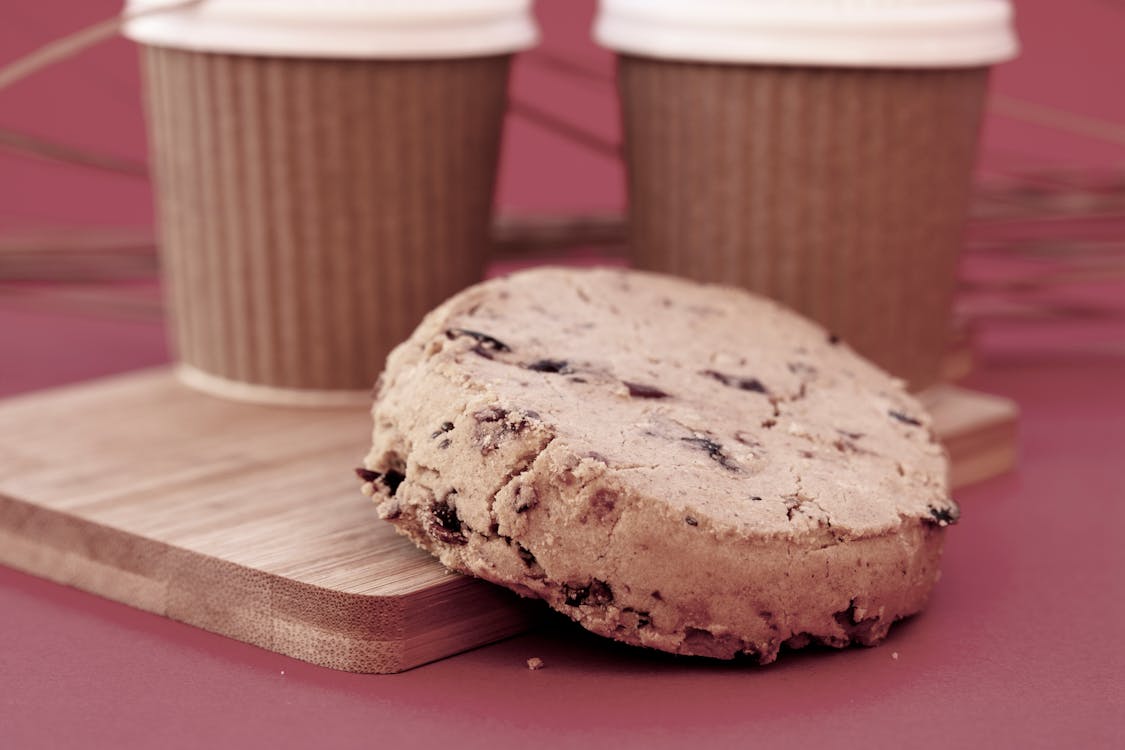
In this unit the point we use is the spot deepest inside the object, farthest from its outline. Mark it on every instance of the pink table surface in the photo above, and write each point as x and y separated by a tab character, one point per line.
1021	646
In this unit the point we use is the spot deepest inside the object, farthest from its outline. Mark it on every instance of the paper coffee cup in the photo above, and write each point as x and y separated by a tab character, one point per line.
324	177
818	152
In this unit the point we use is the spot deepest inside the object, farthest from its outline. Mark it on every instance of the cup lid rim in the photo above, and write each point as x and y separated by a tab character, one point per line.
391	29
872	33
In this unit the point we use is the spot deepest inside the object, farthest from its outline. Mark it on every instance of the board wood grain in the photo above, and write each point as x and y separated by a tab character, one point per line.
977	429
243	520
247	520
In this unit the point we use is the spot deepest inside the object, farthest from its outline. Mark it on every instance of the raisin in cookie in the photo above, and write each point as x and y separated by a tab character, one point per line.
674	465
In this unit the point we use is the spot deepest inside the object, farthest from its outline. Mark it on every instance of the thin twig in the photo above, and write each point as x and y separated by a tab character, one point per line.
57	51
1042	282
1081	249
1057	119
548	121
111	302
567	65
1036	312
69	255
77	239
42	148
519	235
70	45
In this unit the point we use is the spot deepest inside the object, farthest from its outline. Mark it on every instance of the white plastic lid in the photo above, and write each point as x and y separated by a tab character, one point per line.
365	29
851	33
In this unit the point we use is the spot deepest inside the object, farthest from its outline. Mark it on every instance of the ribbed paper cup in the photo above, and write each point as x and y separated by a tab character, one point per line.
313	210
839	192
314	207
837	187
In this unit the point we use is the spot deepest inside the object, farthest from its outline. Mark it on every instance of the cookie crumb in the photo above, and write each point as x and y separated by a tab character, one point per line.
894	655
534	664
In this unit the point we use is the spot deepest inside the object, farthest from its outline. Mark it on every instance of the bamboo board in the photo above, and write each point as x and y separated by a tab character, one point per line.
243	520
247	521
978	430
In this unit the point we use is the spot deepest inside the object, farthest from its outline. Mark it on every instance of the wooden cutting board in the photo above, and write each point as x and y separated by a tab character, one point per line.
243	520
247	520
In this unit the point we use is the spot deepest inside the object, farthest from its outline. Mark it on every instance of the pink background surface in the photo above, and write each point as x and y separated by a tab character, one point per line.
1021	645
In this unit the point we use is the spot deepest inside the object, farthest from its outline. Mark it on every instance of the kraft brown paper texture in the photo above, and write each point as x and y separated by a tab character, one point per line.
842	193
313	210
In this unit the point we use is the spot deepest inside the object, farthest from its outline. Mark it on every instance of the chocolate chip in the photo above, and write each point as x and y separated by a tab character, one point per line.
393	479
575	595
714	450
734	381
595	594
705	643
769	423
485	341
904	418
490	414
747	439
706	444
640	390
526	556
656	595
445	444
855	627
603	503
557	366
792	505
690	521
943	516
367	475
480	351
640	618
833	339
446	526
495	425
755	499
578	380
445	427
846	616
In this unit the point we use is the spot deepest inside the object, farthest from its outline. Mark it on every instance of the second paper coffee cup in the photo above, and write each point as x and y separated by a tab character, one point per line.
819	152
324	176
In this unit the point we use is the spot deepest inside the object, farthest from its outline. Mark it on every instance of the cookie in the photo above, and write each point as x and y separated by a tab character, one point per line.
674	465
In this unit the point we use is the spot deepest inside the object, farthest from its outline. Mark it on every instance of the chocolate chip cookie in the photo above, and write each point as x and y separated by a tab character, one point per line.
674	465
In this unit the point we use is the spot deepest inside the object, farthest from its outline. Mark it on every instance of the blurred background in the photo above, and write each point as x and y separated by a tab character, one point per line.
1043	277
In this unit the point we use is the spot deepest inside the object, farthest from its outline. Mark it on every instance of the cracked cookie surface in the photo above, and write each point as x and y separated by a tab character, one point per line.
673	465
